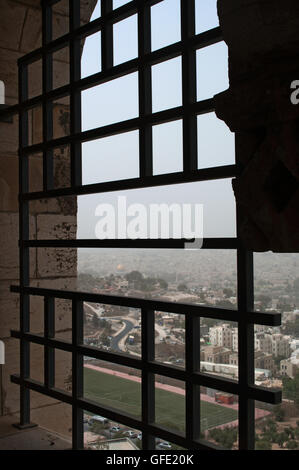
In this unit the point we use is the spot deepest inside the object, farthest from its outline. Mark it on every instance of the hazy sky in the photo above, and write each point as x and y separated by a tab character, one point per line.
117	157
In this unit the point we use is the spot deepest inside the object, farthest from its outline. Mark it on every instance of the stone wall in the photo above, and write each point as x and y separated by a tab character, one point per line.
20	32
263	41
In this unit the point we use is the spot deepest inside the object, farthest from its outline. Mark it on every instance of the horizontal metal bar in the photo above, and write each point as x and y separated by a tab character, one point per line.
131	66
154	367
208	174
112	414
118	14
7	117
264	318
46	3
117	71
272	396
41	388
207	243
122	243
204	39
121	127
133	302
62	345
158	305
220	243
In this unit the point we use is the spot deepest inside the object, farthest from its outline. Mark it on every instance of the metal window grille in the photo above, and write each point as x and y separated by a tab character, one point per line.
186	48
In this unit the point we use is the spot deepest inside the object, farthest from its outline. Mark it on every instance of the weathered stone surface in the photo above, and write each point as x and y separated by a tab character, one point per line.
9	235
9	138
255	27
63	308
61	120
8	181
62	171
9	309
263	41
56	416
270	206
25	16
56	262
35	79
11	14
59	227
32	31
60	25
11	391
9	73
60	73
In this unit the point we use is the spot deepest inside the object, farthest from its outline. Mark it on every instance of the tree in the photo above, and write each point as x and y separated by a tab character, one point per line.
163	284
290	432
282	437
279	413
292	327
182	287
264	299
228	292
263	445
225	437
134	276
291	388
291	445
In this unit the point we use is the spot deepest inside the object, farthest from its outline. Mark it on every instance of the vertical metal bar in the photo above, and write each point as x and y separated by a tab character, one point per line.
145	91
49	331
75	95
76	180
24	252
77	374
148	379
192	325
188	86
47	83
192	398
245	345
107	36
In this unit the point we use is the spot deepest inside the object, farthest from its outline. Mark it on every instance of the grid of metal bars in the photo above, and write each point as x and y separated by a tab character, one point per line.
245	317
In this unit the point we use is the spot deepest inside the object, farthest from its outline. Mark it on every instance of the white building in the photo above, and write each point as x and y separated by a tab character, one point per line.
276	344
235	339
280	345
290	367
221	336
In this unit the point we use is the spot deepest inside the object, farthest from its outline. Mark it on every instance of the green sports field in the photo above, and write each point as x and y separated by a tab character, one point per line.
125	395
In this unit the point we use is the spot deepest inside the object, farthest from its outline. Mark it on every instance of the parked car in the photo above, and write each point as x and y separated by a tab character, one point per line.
115	429
130	434
98	419
164	445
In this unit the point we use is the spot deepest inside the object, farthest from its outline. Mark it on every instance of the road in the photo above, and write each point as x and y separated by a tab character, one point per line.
124	332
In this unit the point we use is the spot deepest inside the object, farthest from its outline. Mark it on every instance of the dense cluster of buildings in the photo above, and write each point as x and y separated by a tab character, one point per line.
275	353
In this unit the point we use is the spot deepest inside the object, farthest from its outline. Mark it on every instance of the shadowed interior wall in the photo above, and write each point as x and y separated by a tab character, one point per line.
263	41
20	33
